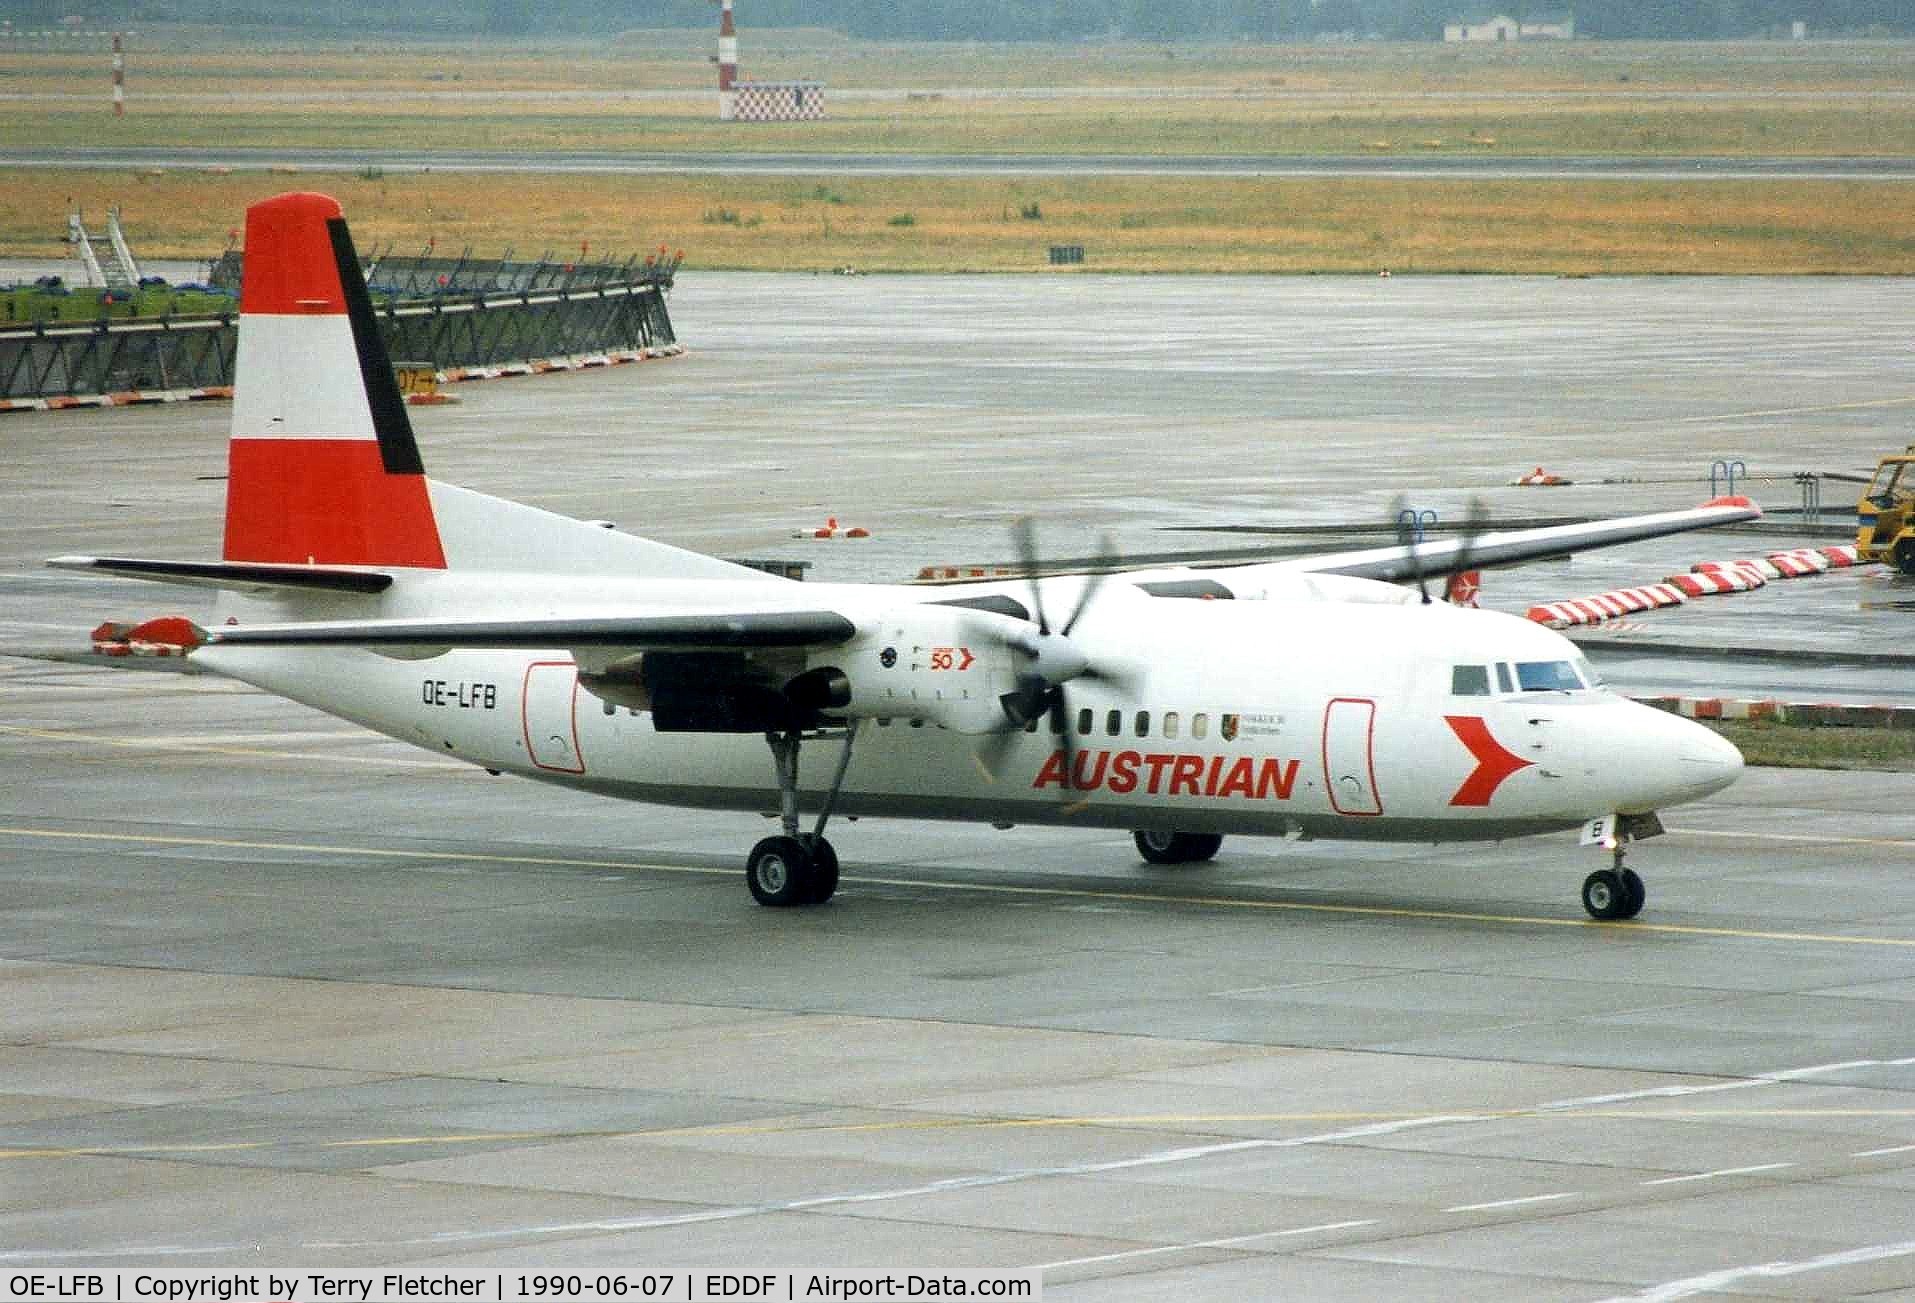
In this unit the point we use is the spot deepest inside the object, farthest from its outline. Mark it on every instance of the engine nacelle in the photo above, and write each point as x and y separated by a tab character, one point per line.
948	665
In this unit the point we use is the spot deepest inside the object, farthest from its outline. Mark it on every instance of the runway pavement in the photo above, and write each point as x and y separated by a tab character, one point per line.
274	991
1645	167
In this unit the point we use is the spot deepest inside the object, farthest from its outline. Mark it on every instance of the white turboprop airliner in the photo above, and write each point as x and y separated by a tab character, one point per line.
1323	701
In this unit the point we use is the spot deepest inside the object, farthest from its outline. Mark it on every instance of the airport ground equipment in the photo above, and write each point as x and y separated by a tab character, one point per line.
1886	513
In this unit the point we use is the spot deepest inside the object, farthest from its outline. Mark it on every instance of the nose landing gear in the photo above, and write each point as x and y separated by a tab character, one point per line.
1616	892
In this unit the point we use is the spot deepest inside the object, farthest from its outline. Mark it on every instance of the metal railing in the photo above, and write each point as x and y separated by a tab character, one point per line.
551	312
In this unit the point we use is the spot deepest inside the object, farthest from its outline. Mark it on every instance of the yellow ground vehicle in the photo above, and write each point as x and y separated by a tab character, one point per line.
1887	514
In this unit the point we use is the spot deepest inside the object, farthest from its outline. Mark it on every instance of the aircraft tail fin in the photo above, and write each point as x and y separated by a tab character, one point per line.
323	468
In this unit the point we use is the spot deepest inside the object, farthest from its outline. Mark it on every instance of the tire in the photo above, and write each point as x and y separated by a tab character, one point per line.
1904	556
1605	896
824	870
1160	847
779	872
1635	894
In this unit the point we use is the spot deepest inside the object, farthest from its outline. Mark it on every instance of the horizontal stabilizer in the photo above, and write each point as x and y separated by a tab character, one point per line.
113	660
716	632
251	576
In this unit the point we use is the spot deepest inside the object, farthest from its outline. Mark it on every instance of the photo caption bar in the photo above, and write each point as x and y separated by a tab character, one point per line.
255	1285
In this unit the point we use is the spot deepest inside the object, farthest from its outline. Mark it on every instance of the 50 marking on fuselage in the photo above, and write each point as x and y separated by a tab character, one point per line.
460	694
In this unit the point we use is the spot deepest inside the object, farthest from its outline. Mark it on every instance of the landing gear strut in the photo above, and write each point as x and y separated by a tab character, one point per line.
1615	892
797	868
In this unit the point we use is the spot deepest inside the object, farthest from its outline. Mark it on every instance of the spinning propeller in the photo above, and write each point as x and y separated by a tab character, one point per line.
1409	535
1047	659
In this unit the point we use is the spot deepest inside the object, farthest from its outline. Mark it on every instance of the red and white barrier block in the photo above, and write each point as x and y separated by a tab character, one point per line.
1605	606
1799	562
1707	583
122	398
1756	571
1539	478
1705	579
1826	714
832	529
937	574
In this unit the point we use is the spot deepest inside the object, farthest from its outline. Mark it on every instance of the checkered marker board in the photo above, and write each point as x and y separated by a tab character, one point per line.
778	101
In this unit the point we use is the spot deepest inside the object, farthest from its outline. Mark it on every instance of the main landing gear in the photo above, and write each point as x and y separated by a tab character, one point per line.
1160	847
797	868
1615	892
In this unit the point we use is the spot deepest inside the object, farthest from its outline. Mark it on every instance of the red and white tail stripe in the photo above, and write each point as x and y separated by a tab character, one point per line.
323	466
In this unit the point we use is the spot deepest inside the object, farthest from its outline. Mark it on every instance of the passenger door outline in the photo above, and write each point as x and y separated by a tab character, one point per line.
548	714
1349	756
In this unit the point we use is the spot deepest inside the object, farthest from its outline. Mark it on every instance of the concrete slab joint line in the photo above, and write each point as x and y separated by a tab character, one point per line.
1729	1277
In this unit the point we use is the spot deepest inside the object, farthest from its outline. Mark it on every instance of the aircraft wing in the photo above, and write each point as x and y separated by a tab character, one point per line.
699	632
1444	556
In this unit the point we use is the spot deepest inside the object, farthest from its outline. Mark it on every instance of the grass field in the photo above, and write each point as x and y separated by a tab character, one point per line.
1135	124
651	92
1787	746
1133	225
656	91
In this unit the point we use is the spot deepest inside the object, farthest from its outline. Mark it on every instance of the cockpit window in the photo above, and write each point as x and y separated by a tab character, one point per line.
1883	491
1547	676
1469	680
1587	672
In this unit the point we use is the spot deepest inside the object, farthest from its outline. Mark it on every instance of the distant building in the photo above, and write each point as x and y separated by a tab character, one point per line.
1557	26
1491	26
1481	27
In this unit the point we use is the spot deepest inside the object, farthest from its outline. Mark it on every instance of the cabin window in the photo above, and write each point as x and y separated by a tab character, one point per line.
1227	727
1587	672
1469	680
1200	725
1143	723
1114	722
1170	723
1084	722
1057	720
1031	727
1502	677
1547	676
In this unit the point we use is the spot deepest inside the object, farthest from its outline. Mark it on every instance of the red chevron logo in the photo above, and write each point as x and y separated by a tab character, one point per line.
1494	761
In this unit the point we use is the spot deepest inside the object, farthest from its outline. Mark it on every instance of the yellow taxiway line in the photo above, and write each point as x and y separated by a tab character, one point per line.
1630	928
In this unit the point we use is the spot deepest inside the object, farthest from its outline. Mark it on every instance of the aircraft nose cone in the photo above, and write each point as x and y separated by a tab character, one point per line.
1669	760
1711	758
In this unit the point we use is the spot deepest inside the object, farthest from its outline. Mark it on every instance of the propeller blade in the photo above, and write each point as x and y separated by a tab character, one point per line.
1106	556
1474	525
1051	660
1061	728
1406	537
992	751
1024	536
